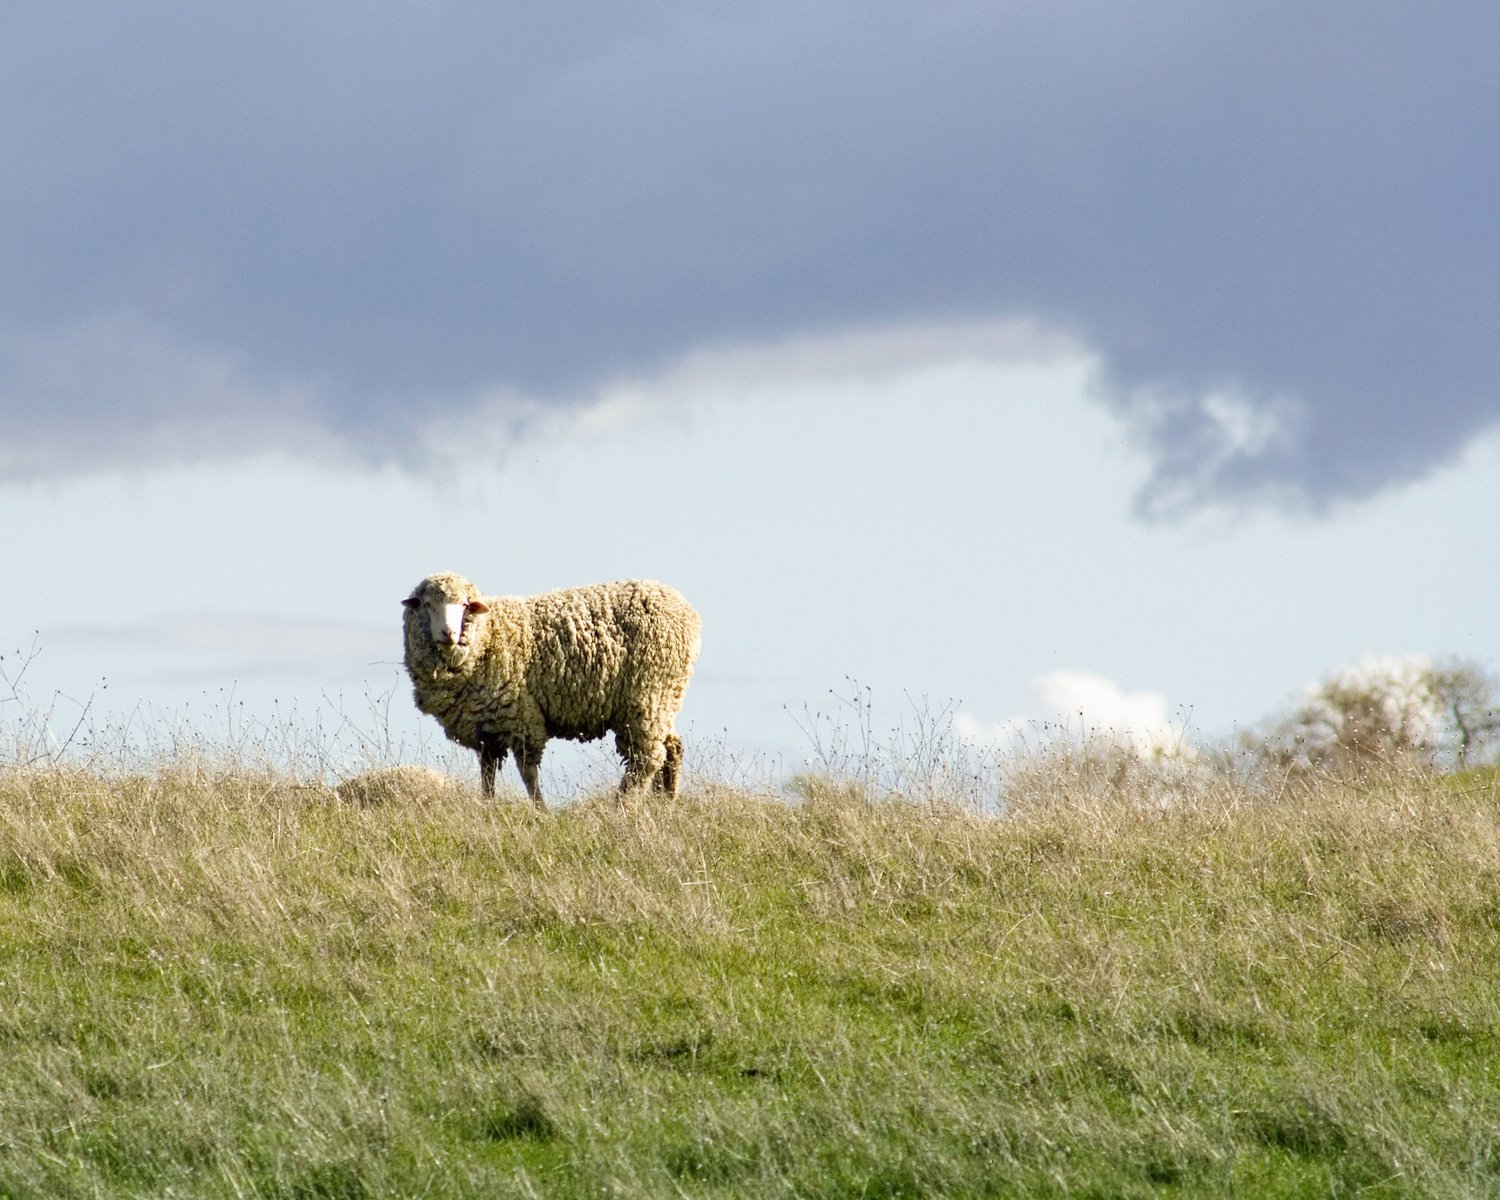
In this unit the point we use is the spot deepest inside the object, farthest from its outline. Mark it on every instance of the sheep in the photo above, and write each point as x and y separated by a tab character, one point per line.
506	673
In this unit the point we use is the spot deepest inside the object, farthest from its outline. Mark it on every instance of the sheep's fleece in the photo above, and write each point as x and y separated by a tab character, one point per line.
505	673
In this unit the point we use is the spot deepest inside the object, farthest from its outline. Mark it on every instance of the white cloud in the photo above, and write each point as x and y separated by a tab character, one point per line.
1083	705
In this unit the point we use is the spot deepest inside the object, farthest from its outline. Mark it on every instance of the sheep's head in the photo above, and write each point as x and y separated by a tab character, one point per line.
445	609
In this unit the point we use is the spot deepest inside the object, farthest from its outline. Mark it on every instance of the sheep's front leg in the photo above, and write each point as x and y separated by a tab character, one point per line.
529	759
491	758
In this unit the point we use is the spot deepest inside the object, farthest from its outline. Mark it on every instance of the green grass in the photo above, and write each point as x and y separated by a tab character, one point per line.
236	986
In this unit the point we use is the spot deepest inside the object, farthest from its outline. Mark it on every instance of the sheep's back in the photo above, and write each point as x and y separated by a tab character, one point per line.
601	653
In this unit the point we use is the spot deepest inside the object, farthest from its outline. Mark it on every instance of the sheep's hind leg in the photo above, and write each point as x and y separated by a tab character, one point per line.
644	762
668	778
529	759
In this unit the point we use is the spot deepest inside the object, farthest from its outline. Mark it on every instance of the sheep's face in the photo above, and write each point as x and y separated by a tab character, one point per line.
446	608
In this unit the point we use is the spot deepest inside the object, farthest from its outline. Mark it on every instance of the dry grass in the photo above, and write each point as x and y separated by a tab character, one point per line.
227	983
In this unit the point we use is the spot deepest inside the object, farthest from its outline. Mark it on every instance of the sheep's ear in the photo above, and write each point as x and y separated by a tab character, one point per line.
411	602
478	606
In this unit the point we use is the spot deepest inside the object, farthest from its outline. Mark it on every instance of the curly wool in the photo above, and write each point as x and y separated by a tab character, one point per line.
574	663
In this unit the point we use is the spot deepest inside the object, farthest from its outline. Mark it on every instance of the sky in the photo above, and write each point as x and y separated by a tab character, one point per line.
1001	358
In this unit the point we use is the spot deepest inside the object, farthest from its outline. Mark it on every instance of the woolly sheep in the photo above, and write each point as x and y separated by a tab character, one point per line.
505	673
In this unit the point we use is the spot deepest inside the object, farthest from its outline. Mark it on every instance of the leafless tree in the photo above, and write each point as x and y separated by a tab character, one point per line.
1394	710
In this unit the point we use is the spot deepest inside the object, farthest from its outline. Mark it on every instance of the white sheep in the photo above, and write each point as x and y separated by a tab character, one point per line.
505	673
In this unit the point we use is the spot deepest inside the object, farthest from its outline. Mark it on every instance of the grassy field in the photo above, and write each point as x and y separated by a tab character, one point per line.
226	984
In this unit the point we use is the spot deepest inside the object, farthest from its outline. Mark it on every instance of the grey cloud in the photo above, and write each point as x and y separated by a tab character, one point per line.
366	215
244	647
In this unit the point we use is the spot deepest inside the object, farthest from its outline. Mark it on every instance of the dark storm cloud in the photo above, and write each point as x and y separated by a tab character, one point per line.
220	223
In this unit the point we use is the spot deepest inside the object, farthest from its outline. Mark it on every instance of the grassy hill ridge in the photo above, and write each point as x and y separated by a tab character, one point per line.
232	985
